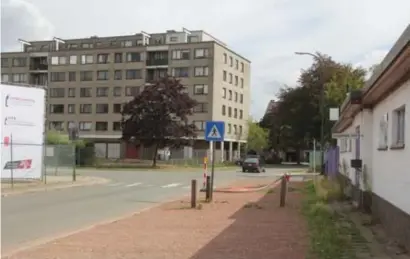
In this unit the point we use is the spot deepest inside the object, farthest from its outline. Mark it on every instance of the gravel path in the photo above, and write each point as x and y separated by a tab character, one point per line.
234	226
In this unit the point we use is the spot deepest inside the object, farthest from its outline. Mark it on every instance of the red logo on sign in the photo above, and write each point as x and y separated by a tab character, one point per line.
25	164
6	141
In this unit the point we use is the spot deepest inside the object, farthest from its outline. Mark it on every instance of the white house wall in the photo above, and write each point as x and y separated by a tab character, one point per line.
391	168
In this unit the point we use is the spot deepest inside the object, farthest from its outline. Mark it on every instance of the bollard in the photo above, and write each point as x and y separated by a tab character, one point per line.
208	189
193	193
283	190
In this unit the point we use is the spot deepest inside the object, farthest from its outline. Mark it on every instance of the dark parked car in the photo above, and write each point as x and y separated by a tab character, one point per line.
252	164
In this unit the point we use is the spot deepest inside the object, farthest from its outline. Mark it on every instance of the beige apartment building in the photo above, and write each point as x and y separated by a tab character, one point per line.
89	79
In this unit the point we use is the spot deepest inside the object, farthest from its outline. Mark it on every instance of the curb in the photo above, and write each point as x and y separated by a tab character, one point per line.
247	189
46	188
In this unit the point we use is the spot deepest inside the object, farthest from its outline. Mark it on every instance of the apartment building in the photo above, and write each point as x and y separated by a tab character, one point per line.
89	79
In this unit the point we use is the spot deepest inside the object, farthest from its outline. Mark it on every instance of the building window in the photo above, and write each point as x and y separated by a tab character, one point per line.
101	108
230	95
235	113
132	90
241	98
224	77
102	91
224	93
242	67
87	59
133	57
200	125
230	78
86	75
399	127
383	132
57	92
236	81
118	57
57	76
229	111
117	91
126	43
56	125
241	82
72	46
236	64
85	92
200	89
71	108
132	74
201	108
240	114
224	110
73	60
85	125
180	72
101	126
58	60
87	45
56	108
225	58
201	53
235	130
19	62
117	107
71	92
5	62
102	75
240	130
116	126
5	78
231	61
72	76
86	108
201	71
118	75
181	54
229	128
20	78
102	58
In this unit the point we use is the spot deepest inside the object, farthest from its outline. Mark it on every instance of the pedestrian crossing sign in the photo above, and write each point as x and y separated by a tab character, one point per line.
215	131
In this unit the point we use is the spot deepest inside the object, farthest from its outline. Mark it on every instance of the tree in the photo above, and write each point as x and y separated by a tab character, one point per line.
257	137
158	116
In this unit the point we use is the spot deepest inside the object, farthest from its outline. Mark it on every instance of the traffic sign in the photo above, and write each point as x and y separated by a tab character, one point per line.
214	131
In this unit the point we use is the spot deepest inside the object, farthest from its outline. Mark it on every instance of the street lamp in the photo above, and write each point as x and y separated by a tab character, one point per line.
322	110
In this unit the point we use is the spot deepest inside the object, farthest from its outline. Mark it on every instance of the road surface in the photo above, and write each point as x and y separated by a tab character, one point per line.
32	216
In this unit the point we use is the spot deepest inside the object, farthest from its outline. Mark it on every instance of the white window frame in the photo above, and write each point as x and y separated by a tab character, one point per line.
177	54
85	125
201	53
62	60
87	59
383	131
54	60
5	78
127	43
201	71
200	89
73	60
399	127
224	93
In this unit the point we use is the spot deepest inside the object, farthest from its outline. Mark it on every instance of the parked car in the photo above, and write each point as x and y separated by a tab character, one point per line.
253	164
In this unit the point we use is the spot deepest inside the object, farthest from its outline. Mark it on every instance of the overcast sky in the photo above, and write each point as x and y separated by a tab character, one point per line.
267	32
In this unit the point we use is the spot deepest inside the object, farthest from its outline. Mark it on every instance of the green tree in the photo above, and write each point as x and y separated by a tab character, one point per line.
258	137
158	116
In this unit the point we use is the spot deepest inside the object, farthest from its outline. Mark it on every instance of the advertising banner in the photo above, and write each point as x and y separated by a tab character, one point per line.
22	131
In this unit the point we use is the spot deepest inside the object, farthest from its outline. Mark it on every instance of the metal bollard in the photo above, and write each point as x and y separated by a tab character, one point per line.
208	189
193	193
283	190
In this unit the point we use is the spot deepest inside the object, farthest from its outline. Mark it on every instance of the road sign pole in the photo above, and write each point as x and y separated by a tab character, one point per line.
212	170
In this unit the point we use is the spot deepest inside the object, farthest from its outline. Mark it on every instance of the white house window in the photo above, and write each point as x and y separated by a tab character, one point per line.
87	59
200	89
201	71
54	60
85	125
383	131
399	126
180	54
201	53
73	60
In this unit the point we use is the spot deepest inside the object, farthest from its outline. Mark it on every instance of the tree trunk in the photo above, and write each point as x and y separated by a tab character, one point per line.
154	158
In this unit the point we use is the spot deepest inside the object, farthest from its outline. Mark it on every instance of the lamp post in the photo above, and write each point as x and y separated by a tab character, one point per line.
322	110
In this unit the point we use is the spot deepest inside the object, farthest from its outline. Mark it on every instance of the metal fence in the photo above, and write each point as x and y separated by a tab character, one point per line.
59	159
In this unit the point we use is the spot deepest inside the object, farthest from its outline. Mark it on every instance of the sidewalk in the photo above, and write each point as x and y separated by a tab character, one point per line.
234	226
53	182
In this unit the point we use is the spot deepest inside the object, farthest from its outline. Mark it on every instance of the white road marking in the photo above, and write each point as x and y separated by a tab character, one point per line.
114	184
133	184
171	185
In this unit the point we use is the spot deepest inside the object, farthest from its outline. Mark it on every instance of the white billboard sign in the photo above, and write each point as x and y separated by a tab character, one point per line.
22	131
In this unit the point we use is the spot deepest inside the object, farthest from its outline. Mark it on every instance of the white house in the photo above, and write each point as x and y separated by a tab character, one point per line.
381	122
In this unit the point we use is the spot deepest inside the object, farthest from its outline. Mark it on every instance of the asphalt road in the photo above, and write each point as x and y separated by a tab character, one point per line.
32	216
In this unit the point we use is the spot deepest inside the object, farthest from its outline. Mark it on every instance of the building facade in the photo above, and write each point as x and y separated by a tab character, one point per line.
89	79
377	132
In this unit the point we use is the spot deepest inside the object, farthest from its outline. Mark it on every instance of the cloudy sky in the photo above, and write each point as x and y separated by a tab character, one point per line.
267	32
